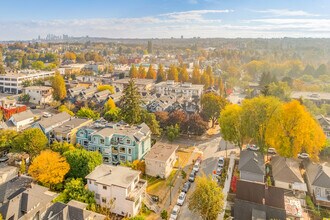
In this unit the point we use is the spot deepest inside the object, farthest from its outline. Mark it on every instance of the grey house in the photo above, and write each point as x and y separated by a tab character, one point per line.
252	166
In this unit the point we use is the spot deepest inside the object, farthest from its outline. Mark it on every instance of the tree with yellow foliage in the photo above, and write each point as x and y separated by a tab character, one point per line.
183	74
196	76
49	168
133	72
172	73
142	72
106	87
293	130
151	74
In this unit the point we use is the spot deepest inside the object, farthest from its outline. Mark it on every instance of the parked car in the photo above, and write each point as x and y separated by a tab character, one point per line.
219	171
46	114
192	176
252	147
181	199
196	167
186	187
221	162
303	155
4	159
175	212
271	150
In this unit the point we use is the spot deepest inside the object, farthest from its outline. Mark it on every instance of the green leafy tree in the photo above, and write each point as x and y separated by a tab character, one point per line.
257	113
161	75
61	147
58	85
38	65
25	63
86	112
82	162
6	138
150	120
31	140
173	132
2	69
22	168
63	108
130	104
232	125
112	114
212	104
207	198
75	189
151	74
280	90
164	214
133	72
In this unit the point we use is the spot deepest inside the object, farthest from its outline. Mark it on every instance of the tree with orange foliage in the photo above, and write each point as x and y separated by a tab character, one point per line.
293	130
49	168
142	72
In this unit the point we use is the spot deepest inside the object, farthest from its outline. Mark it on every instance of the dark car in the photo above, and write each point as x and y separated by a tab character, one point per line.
186	187
4	159
192	176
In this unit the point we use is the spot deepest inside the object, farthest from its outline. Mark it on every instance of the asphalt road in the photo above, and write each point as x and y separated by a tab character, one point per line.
212	150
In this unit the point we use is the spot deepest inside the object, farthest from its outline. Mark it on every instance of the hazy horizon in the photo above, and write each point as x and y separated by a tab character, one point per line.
146	19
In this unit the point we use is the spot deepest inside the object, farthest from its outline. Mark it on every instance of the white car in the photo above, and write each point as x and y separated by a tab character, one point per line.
303	155
221	162
252	147
271	150
46	114
196	167
175	212
181	199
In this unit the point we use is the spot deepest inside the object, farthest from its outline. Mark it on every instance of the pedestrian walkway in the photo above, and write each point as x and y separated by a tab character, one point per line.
226	187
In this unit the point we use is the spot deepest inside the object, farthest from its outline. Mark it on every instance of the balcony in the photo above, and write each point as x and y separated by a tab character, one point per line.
114	151
140	188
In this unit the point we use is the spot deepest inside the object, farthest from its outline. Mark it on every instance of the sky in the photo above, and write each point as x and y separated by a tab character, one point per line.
27	19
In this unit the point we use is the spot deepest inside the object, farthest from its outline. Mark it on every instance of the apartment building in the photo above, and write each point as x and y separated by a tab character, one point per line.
11	82
160	160
179	89
117	187
39	95
117	142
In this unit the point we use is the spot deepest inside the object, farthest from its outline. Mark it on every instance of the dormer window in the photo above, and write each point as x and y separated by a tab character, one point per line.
102	141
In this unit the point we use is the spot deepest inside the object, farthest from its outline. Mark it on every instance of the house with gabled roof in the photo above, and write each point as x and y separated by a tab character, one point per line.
318	182
21	121
286	174
117	142
252	166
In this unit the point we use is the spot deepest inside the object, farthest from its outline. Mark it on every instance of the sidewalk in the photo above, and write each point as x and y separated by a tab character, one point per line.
177	184
226	187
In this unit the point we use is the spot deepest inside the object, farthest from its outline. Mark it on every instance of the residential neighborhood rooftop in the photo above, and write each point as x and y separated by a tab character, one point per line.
161	152
113	175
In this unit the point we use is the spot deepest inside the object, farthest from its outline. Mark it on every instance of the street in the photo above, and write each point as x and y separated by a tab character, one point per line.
212	150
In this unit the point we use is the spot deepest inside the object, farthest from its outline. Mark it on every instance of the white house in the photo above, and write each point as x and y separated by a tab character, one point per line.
39	94
160	160
179	89
21	120
117	187
318	182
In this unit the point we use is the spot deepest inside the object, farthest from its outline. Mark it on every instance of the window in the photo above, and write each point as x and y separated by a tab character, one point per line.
95	183
90	182
122	150
102	141
105	187
128	141
97	196
104	200
122	158
129	151
327	192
